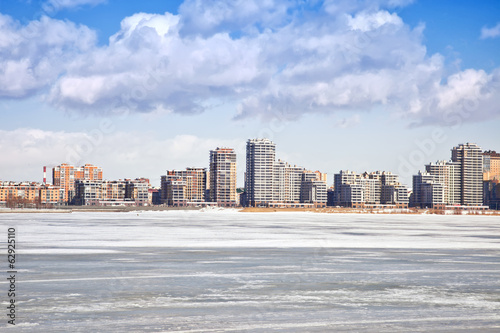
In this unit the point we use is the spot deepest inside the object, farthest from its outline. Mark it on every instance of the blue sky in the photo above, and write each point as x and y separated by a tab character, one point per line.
142	87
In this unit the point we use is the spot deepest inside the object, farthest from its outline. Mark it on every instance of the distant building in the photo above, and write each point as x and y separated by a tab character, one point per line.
260	157
65	176
491	179
313	188
491	193
454	183
223	177
29	193
112	192
154	197
138	191
469	158
421	192
183	187
375	189
447	173
278	184
287	181
491	165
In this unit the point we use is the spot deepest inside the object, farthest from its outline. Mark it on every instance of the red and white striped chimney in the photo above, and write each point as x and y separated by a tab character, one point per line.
45	175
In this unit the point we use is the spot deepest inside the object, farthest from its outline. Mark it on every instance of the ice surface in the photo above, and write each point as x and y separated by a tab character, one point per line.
226	271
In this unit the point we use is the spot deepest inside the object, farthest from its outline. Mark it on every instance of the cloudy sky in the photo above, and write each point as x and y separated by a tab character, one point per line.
139	87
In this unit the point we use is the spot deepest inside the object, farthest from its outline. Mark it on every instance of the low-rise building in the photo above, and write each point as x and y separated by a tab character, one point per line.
112	193
190	183
375	189
30	194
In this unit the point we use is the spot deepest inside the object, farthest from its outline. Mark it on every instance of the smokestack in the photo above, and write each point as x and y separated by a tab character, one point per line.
45	175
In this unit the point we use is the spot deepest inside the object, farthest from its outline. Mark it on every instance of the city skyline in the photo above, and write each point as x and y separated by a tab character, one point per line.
469	179
137	88
270	149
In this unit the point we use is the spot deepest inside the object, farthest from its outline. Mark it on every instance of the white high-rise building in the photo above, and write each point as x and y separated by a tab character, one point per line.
259	175
276	182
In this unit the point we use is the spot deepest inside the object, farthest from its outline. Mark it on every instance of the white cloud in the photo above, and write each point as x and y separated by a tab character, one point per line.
120	154
200	17
368	22
147	64
490	32
260	54
33	56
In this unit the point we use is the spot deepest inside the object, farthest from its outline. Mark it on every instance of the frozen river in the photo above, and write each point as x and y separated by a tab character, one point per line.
227	271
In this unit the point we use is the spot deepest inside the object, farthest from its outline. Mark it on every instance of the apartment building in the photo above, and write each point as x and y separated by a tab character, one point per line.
469	159
369	189
287	182
260	158
277	183
30	193
88	192
313	191
419	199
222	177
175	192
138	191
190	183
65	175
112	192
448	174
491	165
491	179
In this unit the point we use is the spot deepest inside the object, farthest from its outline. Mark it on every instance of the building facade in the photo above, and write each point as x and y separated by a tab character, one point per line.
277	183
65	175
491	165
29	193
112	192
369	190
469	159
260	158
491	179
184	187
447	173
222	189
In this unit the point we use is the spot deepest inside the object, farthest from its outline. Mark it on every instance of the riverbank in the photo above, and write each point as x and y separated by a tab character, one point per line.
327	210
347	210
114	209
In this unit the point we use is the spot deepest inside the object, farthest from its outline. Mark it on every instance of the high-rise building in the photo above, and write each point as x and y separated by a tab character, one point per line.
279	183
65	175
287	182
313	188
260	157
491	179
223	177
469	158
448	174
491	165
344	177
418	197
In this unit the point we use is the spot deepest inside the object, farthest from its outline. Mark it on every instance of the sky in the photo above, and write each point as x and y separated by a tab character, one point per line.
141	87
